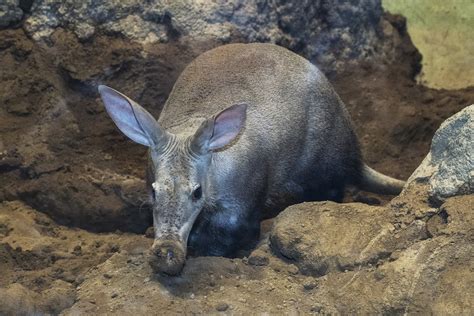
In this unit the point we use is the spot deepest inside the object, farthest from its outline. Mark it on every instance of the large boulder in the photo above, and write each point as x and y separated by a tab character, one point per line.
324	237
448	168
325	32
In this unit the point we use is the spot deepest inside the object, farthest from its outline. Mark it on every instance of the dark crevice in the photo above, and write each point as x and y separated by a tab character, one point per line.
26	5
444	216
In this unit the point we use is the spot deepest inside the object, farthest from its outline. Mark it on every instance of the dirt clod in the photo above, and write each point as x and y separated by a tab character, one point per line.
222	307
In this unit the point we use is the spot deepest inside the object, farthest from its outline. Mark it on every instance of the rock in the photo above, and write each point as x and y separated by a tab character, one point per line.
456	216
222	307
316	308
258	258
433	270
310	286
114	248
150	232
448	169
323	32
318	247
16	299
10	12
60	296
77	250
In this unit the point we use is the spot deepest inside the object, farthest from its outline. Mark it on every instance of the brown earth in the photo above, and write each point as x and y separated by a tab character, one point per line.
63	165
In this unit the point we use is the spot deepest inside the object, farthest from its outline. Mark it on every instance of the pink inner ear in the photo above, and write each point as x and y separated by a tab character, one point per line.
133	120
227	125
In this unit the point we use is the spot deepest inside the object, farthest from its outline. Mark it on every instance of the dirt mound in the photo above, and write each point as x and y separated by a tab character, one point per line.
42	262
323	257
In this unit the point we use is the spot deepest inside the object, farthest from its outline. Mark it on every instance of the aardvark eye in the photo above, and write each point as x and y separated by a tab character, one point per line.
197	192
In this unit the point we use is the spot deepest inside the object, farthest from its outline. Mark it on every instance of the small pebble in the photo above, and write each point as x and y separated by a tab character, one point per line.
310	285
107	276
257	260
316	308
292	269
150	232
114	295
114	248
79	279
379	275
222	307
77	250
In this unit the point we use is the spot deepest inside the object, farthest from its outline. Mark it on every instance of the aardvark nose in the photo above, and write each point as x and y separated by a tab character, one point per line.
167	256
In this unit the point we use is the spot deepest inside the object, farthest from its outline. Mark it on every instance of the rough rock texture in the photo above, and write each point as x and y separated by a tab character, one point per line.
326	237
324	32
10	12
383	260
449	166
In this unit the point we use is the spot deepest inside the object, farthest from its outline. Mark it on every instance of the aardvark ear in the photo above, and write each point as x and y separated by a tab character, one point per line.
132	119
219	131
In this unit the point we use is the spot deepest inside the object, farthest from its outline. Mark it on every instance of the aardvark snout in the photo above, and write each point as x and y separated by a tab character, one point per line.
167	256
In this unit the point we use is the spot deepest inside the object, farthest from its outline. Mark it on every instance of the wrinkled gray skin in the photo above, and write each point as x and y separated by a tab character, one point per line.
248	129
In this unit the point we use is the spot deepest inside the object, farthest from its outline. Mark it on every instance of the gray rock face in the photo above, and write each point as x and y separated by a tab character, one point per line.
449	167
10	12
322	31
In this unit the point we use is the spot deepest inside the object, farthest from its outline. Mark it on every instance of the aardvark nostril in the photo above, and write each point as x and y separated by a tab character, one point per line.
170	254
164	253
